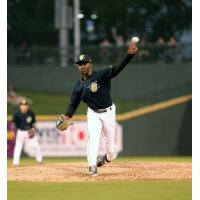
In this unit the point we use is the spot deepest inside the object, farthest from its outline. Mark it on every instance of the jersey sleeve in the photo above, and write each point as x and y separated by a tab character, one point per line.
116	69
105	74
74	102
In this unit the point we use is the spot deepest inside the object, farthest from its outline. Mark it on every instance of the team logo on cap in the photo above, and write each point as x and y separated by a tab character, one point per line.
29	119
81	57
93	86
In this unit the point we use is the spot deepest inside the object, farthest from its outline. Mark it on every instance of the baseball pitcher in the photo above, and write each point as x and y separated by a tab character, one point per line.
94	89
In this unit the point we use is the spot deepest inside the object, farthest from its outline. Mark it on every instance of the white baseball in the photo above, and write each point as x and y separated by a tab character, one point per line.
135	39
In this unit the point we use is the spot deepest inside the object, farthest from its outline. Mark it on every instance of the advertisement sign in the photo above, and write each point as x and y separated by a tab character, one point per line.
53	143
72	142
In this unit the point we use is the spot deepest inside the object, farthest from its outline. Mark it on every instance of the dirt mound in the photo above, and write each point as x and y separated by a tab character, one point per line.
78	172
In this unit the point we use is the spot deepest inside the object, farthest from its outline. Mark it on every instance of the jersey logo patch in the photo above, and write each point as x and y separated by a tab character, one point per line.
93	86
29	119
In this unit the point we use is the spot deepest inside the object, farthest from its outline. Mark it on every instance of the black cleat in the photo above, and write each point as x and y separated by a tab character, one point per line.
93	170
102	161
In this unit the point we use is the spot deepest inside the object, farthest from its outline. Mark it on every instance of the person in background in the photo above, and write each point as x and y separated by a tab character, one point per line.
25	124
14	98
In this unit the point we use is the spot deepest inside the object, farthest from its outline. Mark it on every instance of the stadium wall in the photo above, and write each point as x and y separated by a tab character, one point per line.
163	128
165	132
137	81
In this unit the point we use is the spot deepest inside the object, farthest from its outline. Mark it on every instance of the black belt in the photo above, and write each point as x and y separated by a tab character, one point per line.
102	110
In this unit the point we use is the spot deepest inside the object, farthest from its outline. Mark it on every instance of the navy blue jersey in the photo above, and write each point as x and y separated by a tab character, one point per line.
24	121
96	90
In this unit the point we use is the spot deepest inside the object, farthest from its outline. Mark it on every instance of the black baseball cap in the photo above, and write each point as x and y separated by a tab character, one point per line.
24	102
83	58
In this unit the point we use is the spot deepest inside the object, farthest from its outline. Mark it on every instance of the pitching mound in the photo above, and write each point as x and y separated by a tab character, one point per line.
78	172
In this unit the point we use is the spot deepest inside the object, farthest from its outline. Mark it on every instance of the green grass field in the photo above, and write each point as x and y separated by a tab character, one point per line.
54	103
113	190
148	190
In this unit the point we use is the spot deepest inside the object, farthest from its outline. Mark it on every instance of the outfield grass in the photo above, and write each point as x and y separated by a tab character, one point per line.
120	190
54	103
143	190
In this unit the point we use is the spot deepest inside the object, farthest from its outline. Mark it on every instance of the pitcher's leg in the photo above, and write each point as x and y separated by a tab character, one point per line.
110	144
94	130
109	127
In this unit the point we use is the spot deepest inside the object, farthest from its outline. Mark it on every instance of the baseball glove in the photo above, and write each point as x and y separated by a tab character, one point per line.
63	123
31	132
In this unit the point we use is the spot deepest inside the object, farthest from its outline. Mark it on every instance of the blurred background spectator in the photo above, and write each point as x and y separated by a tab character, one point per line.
13	98
105	52
33	35
24	54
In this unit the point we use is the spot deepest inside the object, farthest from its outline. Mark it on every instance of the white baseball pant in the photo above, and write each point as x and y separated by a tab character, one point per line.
97	123
22	139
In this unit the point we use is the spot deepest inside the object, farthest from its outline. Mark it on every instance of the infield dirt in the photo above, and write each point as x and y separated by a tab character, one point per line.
78	172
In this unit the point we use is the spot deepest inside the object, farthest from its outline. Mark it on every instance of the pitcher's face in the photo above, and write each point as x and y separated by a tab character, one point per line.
85	68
